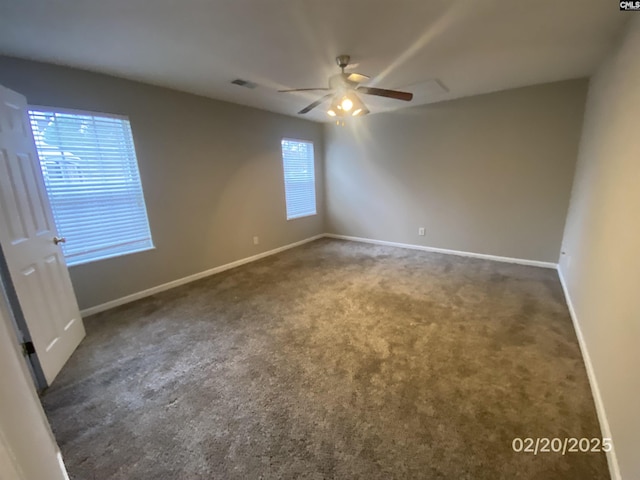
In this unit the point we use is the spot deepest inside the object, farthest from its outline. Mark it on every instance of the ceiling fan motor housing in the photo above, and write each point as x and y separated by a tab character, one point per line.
343	61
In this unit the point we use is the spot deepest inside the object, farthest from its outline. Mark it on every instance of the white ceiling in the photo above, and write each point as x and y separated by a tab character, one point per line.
199	46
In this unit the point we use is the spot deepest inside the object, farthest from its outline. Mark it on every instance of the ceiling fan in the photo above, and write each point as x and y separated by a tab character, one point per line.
344	88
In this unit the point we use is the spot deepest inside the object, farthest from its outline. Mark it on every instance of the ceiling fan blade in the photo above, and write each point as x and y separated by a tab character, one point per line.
303	89
314	104
381	92
357	78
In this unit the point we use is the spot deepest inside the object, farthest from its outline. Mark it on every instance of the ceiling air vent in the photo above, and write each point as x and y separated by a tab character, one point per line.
244	83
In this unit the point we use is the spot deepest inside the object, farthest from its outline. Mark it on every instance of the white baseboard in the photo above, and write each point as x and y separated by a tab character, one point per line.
196	276
191	278
614	469
519	261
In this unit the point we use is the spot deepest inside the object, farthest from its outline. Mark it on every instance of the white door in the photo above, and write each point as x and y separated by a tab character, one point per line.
28	237
28	450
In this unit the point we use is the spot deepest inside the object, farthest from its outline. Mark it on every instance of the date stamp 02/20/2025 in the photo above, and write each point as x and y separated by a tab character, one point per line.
561	446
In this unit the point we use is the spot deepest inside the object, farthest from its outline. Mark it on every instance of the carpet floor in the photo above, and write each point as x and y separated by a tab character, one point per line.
332	360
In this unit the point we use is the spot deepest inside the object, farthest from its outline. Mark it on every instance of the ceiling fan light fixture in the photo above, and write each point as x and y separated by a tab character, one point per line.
335	109
358	107
346	104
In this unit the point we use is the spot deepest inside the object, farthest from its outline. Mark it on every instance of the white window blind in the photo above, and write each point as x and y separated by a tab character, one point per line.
299	178
91	174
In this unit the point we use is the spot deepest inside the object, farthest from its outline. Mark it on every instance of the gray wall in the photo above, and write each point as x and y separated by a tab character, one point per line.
211	173
601	264
487	174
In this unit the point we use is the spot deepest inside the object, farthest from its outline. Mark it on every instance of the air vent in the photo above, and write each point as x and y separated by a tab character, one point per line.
244	83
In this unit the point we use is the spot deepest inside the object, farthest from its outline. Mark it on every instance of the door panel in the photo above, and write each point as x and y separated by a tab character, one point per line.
27	230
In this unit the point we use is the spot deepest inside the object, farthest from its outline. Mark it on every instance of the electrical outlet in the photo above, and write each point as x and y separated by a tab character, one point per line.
421	231
256	240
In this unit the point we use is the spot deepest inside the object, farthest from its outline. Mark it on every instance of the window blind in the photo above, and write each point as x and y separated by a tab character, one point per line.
299	178
91	174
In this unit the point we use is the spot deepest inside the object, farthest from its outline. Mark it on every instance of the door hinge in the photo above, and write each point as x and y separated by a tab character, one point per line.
28	348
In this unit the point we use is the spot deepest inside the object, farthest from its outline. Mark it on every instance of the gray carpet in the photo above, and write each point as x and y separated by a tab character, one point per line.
332	360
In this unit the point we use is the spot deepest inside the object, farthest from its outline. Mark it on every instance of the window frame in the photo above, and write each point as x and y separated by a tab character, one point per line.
92	113
284	182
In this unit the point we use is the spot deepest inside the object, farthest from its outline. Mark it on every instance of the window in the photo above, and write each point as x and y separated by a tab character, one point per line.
91	175
299	178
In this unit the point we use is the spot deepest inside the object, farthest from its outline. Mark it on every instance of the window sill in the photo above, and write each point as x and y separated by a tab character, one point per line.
302	216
